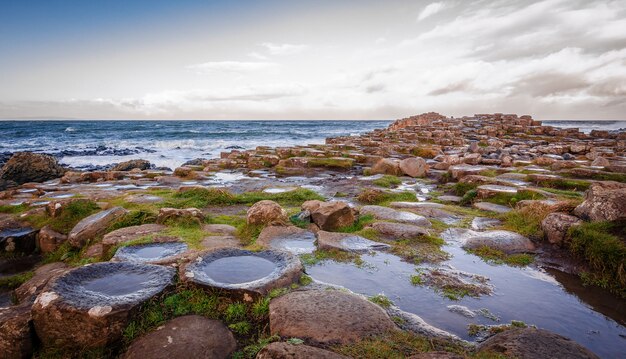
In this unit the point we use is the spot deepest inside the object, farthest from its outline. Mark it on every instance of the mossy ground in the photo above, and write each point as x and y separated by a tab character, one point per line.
387	181
378	197
494	256
67	219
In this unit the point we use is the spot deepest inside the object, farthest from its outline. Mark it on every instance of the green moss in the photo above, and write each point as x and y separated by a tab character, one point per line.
14	281
424	152
603	246
11	209
343	163
202	197
133	218
235	312
416	280
455	293
495	256
488	173
381	300
378	197
562	183
601	176
507	199
73	213
321	255
358	225
192	234
468	197
475	330
305	280
461	188
248	233
387	181
421	249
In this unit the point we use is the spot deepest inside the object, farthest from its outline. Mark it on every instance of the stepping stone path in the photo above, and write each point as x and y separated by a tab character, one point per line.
189	337
327	317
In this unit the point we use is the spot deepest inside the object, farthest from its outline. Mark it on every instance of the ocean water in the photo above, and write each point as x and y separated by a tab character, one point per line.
85	143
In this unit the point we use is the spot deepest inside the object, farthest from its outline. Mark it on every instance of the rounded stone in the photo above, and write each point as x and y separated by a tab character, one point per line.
505	241
243	273
189	337
266	212
414	167
155	253
90	306
327	317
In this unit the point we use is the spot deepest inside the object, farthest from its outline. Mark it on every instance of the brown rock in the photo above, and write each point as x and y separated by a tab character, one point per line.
267	212
91	227
556	225
16	335
283	350
43	274
330	216
346	242
132	164
600	162
387	166
395	231
327	316
189	337
49	240
436	355
604	201
192	215
414	167
531	343
128	234
25	167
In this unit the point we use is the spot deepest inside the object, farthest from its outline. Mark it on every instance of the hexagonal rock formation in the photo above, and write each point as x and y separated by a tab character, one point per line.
45	273
266	212
189	337
348	242
18	240
283	350
16	334
414	167
390	214
329	215
154	253
243	273
604	201
93	226
327	316
291	239
531	343
90	306
128	234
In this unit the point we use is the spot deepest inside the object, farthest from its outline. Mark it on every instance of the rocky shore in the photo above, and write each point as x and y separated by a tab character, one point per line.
214	259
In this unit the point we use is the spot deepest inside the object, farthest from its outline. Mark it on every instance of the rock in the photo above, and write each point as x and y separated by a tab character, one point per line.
531	343
16	334
290	238
266	212
492	207
472	158
347	242
481	223
281	350
604	201
43	274
90	306
330	216
49	240
414	167
395	231
436	355
487	191
505	241
327	317
18	240
184	215
387	166
189	337
132	164
555	226
389	214
128	234
600	162
224	229
220	242
25	167
95	225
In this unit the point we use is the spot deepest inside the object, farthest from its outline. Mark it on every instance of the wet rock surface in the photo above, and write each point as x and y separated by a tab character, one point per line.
18	240
389	214
289	238
93	226
347	242
47	272
190	336
128	234
155	253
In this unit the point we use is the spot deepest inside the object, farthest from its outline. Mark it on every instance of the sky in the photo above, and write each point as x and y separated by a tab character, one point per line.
323	59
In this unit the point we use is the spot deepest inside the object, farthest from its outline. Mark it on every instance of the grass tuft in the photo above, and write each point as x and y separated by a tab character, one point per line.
387	181
378	197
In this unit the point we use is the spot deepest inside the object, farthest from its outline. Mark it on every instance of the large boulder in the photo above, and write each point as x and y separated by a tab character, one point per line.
532	343
327	317
604	201
132	164
266	212
282	350
414	167
189	337
25	167
556	225
329	216
387	166
49	240
16	334
90	306
93	226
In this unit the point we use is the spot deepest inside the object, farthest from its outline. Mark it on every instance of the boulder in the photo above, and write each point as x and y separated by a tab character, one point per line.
600	162
44	274
128	234
387	166
327	317
189	337
414	167
390	214
266	212
16	334
132	164
49	240
532	343
18	240
395	231
347	242
555	226
25	167
604	201
186	215
505	241
93	226
330	216
281	350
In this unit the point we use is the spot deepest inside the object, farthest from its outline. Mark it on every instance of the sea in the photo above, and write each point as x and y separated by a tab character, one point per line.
96	144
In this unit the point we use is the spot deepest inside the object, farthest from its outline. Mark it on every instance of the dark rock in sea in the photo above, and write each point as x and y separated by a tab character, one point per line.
132	164
195	162
25	167
4	157
235	148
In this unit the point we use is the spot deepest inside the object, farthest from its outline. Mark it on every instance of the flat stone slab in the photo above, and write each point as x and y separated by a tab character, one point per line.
90	306
291	238
482	223
244	273
450	198
505	241
327	317
155	253
128	234
396	231
94	225
390	214
190	336
347	242
416	205
282	350
492	207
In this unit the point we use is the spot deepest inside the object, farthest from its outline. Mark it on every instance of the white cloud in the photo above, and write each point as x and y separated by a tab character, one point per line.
430	10
257	56
284	49
231	66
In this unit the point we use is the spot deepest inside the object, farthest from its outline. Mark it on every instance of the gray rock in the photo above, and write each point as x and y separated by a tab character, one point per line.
390	214
91	227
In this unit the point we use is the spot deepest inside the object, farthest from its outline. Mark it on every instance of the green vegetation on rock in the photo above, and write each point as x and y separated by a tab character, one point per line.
378	197
387	181
494	256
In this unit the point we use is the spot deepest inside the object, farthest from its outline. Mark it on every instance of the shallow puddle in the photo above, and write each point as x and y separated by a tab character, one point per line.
295	243
240	269
116	285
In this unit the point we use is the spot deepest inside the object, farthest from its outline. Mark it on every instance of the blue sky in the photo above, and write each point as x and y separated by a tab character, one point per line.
312	59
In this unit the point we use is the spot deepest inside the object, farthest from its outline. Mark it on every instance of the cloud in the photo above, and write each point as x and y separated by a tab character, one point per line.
231	66
284	49
430	10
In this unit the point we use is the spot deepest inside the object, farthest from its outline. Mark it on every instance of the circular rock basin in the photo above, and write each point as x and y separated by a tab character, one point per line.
151	252
295	243
244	272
